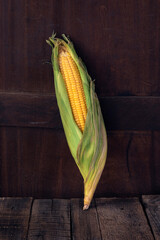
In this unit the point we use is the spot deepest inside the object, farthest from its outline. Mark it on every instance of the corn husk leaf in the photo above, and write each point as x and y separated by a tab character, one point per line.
89	149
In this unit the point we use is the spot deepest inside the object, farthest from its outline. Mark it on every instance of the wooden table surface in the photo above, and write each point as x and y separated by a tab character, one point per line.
107	218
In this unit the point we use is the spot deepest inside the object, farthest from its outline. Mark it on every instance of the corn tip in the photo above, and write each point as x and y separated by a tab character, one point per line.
87	201
85	207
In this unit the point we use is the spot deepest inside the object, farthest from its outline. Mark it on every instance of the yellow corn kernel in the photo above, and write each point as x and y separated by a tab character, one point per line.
73	82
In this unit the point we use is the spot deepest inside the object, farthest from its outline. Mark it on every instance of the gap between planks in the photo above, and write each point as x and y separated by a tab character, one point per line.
152	208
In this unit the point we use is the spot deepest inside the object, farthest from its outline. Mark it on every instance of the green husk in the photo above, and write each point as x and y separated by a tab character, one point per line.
89	149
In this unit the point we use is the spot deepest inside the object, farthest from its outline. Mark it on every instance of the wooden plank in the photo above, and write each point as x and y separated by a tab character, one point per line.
38	110
126	36
122	219
128	154
85	224
37	156
14	218
50	220
155	163
128	113
42	156
29	110
152	208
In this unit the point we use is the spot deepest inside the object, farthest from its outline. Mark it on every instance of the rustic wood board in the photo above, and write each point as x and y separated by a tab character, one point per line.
122	219
14	218
120	44
152	208
85	224
41	110
42	156
50	220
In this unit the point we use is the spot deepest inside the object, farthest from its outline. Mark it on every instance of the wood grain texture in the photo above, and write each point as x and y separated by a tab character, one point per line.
29	110
14	218
119	43
152	208
60	219
155	162
122	219
50	220
41	110
85	225
130	165
118	40
37	162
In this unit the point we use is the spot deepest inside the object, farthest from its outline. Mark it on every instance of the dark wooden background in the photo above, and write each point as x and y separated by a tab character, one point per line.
120	44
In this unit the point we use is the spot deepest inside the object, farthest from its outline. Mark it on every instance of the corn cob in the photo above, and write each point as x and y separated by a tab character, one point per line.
80	113
73	82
